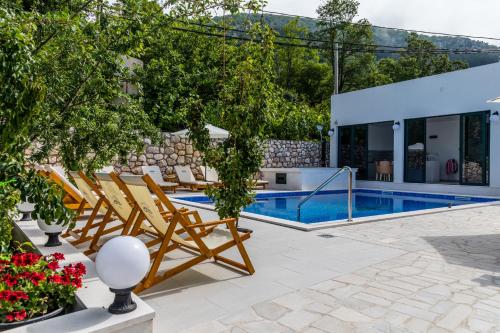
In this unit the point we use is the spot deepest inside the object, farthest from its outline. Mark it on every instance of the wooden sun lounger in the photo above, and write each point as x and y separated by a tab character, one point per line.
204	240
73	199
155	173
187	179
100	208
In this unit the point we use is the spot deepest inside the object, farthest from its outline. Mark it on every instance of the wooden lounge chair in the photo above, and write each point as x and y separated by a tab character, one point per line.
204	240
187	179
155	173
73	199
115	195
210	175
101	214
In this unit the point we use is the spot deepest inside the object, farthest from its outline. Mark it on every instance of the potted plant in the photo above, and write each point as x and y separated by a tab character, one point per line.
34	287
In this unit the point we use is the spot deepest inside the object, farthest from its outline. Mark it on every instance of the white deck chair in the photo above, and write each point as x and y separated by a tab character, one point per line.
155	173
187	179
210	174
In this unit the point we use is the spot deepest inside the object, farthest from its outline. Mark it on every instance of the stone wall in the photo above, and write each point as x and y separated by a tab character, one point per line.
293	154
179	151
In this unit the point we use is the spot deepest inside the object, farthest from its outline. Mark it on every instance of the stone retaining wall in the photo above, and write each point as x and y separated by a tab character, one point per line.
179	151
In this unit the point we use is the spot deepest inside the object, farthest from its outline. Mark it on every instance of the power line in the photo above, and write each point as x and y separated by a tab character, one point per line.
390	28
358	50
395	49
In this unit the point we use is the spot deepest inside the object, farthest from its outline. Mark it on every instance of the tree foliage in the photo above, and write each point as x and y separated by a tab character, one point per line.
419	61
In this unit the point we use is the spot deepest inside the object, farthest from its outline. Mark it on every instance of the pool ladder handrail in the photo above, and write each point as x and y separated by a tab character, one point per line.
325	183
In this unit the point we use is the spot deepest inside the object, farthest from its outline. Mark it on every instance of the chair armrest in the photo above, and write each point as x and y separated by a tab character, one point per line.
212	223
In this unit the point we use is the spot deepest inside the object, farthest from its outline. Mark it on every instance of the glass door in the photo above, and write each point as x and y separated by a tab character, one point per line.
415	150
474	148
353	149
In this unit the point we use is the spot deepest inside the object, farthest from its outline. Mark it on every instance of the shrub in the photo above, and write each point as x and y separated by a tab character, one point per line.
32	285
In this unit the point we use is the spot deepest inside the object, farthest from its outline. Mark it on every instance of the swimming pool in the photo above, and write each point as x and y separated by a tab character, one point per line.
332	205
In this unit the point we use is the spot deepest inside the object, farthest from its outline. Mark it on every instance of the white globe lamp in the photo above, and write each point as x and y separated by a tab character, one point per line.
52	230
396	126
121	264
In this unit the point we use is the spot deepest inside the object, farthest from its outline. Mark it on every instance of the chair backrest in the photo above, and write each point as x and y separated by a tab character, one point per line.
154	171
116	193
144	200
59	176
385	167
210	174
184	173
87	188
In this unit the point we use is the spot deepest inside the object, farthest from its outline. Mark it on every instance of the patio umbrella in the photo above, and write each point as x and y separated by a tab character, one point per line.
213	131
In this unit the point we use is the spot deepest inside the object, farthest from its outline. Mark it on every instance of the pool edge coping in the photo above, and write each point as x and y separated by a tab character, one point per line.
339	223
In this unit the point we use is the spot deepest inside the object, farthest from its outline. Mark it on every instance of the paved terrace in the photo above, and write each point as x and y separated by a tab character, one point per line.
433	273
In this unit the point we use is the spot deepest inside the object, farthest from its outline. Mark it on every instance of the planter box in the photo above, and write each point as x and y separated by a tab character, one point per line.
93	299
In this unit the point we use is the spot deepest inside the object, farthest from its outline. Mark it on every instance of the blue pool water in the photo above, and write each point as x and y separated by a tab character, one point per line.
332	205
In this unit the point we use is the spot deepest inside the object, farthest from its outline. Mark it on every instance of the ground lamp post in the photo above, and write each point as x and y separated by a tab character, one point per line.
26	208
52	230
121	264
331	133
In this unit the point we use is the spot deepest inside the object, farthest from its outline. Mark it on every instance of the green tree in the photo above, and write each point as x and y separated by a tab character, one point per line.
246	93
422	58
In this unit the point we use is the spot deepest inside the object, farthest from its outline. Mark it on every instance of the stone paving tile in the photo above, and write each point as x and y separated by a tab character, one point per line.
447	279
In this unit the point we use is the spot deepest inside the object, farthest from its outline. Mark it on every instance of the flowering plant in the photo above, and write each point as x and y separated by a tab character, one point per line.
32	285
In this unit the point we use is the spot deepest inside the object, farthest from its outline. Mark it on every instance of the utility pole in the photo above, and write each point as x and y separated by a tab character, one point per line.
336	68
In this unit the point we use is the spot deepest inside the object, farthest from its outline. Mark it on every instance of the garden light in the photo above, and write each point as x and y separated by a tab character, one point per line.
494	117
26	208
396	126
52	231
121	264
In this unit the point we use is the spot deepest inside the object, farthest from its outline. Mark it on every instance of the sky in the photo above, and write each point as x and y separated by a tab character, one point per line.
467	17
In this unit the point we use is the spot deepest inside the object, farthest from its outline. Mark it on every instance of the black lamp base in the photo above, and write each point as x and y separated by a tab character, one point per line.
123	302
26	216
53	239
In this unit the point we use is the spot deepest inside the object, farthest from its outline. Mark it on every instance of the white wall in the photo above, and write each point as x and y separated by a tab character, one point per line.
445	94
447	144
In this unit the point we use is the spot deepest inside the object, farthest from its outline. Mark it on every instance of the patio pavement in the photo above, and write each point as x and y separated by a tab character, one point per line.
431	273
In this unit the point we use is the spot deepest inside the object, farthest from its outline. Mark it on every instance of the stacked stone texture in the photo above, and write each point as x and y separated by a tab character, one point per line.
292	154
175	150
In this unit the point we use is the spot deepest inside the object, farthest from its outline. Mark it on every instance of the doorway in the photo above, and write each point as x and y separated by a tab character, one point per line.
450	149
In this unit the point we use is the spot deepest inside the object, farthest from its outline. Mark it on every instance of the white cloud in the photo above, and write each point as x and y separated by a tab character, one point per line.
467	17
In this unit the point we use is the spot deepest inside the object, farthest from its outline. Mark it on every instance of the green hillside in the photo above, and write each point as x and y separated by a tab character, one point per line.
390	38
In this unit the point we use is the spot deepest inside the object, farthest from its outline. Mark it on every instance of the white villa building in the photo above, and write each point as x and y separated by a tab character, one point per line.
433	134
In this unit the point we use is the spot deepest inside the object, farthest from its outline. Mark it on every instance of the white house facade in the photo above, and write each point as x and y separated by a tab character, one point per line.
437	133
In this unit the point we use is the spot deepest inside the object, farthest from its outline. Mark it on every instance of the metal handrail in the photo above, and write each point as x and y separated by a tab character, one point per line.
328	181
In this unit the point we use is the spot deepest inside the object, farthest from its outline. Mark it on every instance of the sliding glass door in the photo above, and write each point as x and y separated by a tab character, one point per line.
415	150
353	149
474	148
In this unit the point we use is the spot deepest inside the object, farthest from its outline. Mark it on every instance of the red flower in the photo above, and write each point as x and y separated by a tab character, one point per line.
36	278
58	256
55	279
13	296
77	282
20	315
10	280
53	265
25	259
16	316
80	269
